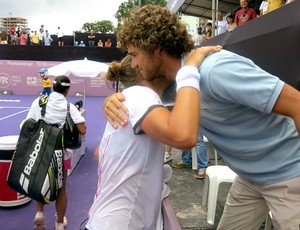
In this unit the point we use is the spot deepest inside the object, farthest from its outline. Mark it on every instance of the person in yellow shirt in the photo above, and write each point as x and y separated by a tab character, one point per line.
35	39
45	81
270	5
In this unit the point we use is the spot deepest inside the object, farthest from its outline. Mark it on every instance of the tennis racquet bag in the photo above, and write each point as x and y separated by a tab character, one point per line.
37	163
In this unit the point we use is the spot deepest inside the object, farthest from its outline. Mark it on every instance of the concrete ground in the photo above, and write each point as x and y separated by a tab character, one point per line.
186	196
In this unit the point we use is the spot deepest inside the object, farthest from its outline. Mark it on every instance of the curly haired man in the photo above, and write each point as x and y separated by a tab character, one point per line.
251	117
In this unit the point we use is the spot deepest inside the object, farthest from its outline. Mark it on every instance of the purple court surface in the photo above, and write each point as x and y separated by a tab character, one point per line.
81	184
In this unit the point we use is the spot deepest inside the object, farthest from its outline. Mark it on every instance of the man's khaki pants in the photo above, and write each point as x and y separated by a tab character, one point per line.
248	204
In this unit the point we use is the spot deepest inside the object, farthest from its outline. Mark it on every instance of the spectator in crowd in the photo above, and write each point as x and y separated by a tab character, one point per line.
76	43
251	117
42	30
245	14
198	38
91	38
30	37
42	36
118	44
60	37
3	37
267	6
230	23
13	35
208	32
18	35
23	38
108	43
47	39
35	39
100	43
202	162
221	24
81	44
56	110
168	154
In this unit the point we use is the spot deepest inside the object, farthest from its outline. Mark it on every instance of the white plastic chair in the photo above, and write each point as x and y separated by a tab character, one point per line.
215	175
210	149
194	159
268	223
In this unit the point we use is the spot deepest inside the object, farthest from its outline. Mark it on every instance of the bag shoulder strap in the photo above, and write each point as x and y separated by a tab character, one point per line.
68	109
43	102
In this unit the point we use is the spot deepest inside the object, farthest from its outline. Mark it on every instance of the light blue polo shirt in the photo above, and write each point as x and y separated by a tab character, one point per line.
237	98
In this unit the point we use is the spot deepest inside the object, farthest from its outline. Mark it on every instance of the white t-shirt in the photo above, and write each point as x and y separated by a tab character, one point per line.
56	110
198	39
222	27
130	170
59	33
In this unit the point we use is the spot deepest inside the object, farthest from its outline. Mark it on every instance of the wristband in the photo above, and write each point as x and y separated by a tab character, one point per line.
188	76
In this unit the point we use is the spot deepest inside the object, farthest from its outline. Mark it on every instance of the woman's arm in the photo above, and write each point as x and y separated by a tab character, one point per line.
96	153
81	127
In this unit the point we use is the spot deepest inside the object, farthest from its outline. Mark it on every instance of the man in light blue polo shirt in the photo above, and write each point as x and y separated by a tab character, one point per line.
250	116
242	114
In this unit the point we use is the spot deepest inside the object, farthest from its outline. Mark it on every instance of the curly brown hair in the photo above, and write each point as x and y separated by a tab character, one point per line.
152	27
122	72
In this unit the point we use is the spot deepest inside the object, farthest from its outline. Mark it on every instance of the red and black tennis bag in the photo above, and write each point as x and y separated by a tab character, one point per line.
37	163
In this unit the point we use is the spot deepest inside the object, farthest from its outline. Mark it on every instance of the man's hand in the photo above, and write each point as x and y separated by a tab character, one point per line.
114	110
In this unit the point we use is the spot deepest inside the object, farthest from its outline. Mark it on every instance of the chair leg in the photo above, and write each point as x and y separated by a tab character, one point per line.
216	157
268	222
212	201
194	159
205	192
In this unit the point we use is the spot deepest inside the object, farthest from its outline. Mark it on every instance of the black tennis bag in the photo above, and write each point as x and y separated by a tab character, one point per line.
37	163
72	138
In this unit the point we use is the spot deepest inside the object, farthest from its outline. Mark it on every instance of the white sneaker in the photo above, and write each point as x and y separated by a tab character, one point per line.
59	226
39	221
65	223
168	157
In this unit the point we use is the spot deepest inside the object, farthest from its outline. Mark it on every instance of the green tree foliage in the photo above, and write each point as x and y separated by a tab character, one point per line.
126	7
155	2
88	26
104	26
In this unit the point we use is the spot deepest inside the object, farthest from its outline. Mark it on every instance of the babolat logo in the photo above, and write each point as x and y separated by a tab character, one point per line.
27	170
60	165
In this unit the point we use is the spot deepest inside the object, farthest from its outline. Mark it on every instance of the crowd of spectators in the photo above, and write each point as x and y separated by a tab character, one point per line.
243	15
20	36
